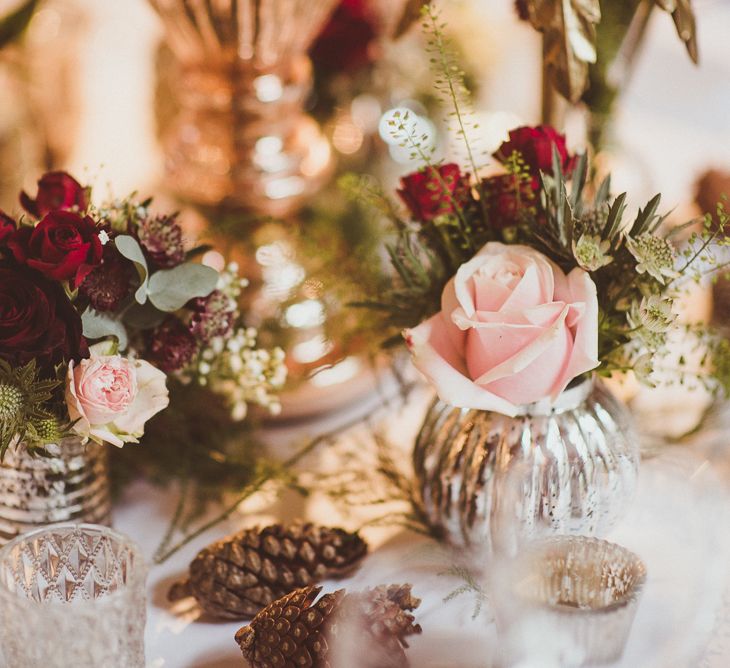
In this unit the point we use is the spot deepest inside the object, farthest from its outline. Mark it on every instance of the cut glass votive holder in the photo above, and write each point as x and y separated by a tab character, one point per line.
72	595
571	599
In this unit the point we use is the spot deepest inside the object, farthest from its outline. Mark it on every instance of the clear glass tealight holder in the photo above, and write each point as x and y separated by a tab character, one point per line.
72	595
567	601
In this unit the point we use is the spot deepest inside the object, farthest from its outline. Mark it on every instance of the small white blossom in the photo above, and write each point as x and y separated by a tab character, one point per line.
591	252
654	255
103	237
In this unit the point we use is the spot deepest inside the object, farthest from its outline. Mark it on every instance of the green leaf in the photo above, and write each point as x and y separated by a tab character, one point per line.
604	191
13	25
98	325
613	222
579	180
171	289
143	316
645	216
129	247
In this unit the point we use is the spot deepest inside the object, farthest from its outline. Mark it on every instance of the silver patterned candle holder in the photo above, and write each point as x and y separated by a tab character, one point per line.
69	483
568	467
568	601
72	595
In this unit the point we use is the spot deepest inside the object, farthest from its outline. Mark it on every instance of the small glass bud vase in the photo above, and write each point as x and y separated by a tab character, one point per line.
68	483
72	595
566	467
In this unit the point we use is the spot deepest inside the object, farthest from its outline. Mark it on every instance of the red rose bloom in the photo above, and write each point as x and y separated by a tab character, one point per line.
426	196
171	346
344	45
7	227
37	320
56	191
63	246
535	146
507	199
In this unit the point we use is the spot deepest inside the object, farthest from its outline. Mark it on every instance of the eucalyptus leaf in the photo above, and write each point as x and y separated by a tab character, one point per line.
129	247
98	325
143	316
171	289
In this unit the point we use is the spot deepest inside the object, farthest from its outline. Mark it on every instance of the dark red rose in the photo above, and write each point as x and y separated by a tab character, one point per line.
63	246
7	227
161	239
37	320
56	191
111	282
428	194
508	200
346	42
535	146
171	346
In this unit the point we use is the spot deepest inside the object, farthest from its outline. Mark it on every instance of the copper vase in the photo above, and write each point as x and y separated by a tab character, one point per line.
241	137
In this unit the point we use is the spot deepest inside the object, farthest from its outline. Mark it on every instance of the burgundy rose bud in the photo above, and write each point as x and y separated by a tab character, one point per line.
171	346
63	246
37	320
109	283
161	239
57	191
347	40
507	200
213	316
7	227
435	191
535	146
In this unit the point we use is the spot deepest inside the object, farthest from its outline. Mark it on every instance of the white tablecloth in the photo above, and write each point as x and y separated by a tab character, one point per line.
678	525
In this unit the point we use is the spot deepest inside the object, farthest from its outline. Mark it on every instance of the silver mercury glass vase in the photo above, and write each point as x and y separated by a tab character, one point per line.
568	468
68	484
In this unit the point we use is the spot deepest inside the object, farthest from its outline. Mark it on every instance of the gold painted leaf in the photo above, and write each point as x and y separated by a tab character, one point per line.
569	41
684	20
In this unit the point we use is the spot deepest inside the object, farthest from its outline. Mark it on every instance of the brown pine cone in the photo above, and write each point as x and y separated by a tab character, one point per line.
361	630
236	577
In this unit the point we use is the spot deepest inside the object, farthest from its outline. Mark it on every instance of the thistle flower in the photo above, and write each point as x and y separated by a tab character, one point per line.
654	255
590	252
11	401
162	240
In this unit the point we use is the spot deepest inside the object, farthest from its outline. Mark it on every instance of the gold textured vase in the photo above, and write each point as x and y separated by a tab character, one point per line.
241	137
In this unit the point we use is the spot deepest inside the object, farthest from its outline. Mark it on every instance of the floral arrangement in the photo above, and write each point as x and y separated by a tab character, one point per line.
514	285
99	306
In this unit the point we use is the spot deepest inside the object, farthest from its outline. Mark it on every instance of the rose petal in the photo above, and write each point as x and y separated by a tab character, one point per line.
452	386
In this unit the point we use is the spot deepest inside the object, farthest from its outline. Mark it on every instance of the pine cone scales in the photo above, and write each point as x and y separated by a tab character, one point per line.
340	630
236	577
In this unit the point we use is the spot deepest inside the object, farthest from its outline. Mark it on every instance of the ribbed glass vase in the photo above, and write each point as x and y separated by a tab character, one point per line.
70	485
570	467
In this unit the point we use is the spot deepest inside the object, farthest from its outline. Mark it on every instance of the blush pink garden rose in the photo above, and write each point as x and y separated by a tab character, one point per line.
513	330
110	398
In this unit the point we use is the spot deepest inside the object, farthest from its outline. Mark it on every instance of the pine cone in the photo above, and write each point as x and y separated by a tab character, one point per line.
238	576
340	630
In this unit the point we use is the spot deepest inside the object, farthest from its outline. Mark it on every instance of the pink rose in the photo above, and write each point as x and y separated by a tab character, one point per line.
513	330
110	398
